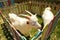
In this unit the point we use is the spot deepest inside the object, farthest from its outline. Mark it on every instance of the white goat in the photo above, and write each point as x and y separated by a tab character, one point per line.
19	21
47	16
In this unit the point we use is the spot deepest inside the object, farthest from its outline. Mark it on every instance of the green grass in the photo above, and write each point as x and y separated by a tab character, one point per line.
2	36
33	31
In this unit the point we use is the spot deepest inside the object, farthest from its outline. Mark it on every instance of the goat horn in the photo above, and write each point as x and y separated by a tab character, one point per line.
28	12
35	14
25	16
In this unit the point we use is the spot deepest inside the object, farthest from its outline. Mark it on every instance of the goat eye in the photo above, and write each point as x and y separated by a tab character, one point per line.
27	22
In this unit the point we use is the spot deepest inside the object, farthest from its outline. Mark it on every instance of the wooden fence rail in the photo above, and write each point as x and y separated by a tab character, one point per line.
36	7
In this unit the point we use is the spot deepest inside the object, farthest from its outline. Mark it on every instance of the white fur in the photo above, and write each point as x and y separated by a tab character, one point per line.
17	21
47	16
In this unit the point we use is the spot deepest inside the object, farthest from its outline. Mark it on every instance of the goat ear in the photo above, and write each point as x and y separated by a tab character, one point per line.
28	12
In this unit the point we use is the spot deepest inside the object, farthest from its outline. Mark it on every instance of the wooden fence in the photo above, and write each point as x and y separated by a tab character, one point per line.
36	7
